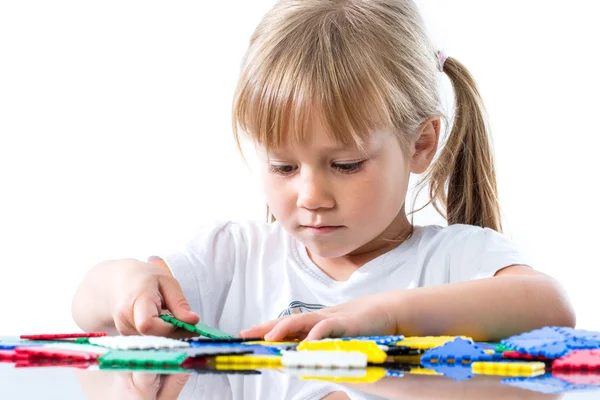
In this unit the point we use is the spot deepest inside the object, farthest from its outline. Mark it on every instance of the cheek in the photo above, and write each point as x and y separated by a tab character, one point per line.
276	194
377	196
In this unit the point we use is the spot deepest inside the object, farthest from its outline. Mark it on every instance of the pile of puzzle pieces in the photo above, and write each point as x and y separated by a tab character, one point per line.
548	360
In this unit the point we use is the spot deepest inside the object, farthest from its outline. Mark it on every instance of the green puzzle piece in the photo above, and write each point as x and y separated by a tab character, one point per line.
200	328
142	358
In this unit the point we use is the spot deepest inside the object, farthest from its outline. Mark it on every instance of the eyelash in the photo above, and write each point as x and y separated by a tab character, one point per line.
351	168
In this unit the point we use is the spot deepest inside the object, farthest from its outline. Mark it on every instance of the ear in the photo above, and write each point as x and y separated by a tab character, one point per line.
425	145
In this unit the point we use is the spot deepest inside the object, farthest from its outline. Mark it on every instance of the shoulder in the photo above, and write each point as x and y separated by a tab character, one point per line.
468	251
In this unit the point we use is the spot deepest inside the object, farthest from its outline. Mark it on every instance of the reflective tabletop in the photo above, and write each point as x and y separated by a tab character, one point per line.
67	383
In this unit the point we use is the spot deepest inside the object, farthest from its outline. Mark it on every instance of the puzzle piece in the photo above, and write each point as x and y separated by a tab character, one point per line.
209	351
229	340
370	349
377	339
58	336
584	360
200	328
427	342
142	358
402	351
532	368
56	353
137	342
327	359
459	350
524	356
252	361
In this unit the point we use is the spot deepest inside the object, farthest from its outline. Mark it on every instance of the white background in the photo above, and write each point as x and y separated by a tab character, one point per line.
115	134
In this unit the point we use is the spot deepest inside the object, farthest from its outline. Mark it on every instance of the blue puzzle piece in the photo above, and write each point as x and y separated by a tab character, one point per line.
459	350
455	371
262	350
583	344
397	374
378	339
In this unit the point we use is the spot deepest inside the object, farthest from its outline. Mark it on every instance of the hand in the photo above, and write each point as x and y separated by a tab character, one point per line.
142	290
366	316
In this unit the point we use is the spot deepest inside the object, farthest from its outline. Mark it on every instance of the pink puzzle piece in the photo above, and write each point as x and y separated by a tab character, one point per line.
580	360
578	378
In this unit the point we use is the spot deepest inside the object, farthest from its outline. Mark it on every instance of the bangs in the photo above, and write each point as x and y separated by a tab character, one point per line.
311	70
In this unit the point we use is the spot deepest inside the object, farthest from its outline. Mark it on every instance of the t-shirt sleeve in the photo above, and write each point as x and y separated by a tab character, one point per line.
204	266
481	252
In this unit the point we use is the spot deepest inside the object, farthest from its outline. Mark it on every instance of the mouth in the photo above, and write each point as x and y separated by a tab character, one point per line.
321	229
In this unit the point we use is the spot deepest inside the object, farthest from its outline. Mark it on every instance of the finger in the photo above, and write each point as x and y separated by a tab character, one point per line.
295	326
176	302
124	320
172	386
146	318
262	329
331	327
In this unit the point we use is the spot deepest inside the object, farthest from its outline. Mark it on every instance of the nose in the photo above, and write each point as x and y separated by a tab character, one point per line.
314	192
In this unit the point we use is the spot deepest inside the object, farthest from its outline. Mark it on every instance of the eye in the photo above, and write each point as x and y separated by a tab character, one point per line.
282	169
349	168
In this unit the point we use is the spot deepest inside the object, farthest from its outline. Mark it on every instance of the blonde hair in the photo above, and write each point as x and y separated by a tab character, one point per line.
366	64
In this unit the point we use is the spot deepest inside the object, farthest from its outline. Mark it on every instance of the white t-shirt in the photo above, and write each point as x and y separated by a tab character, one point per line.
239	274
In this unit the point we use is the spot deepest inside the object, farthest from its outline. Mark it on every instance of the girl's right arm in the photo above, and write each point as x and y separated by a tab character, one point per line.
127	297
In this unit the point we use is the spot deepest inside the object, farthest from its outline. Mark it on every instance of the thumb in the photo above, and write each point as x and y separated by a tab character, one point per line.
176	302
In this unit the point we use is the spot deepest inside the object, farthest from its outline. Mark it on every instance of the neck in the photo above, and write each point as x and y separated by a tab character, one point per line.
341	268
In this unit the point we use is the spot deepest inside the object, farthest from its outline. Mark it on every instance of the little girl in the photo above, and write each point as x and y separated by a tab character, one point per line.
340	99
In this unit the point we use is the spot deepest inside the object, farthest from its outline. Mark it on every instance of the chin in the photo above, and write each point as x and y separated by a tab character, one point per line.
328	251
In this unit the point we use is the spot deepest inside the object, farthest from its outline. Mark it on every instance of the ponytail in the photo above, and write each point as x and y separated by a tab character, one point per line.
465	166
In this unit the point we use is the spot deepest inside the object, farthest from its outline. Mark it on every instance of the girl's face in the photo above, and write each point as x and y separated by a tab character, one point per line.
336	199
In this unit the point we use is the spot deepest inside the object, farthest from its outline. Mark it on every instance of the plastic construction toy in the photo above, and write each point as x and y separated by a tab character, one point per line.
402	351
211	351
428	342
578	378
325	359
580	360
142	358
56	352
374	354
457	351
377	339
62	336
138	342
200	328
251	361
533	368
229	340
553	342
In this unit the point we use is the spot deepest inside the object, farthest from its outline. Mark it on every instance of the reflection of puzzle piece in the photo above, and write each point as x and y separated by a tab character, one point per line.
370	349
532	368
8	355
457	371
200	328
544	384
457	351
585	360
142	358
138	342
579	378
367	375
524	356
327	359
427	342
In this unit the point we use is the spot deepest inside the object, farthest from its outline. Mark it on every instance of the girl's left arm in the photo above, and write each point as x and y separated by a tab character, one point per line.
517	299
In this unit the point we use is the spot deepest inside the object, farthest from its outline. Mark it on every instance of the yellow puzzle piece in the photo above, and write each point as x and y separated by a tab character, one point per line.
371	349
533	368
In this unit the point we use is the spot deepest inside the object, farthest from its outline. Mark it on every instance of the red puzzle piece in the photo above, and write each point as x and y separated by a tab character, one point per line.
516	354
61	354
8	355
582	360
58	336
